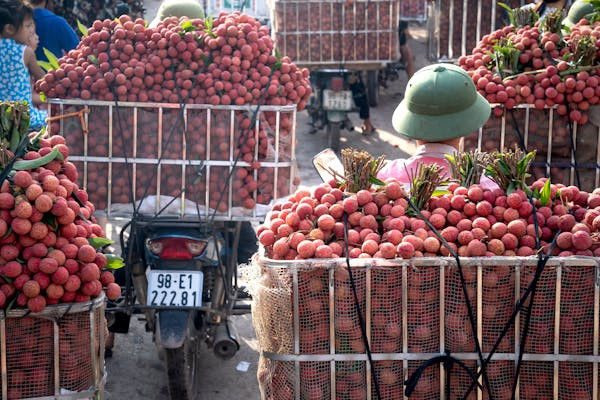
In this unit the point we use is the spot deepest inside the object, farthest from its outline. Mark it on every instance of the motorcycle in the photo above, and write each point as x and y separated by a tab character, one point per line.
183	275
330	103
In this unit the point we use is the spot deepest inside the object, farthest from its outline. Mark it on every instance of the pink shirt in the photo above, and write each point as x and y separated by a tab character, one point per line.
429	153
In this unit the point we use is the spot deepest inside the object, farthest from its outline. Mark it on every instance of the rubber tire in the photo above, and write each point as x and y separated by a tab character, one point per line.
373	87
182	370
333	135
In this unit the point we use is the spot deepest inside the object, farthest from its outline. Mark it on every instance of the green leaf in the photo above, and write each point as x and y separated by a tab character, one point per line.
93	59
82	28
51	58
504	166
523	163
99	242
545	194
207	60
50	220
439	193
46	66
375	181
23	165
187	26
566	29
277	64
43	97
8	232
511	188
114	262
208	27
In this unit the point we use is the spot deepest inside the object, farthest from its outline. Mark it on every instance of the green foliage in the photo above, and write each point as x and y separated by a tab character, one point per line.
82	28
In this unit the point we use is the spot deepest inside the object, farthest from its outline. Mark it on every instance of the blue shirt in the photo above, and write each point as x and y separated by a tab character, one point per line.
55	34
16	82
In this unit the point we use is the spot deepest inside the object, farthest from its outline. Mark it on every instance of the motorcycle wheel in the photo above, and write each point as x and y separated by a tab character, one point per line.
373	87
183	369
333	135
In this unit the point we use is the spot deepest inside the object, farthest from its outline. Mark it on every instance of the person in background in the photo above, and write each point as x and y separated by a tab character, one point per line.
18	63
359	95
578	10
33	43
178	8
545	7
441	105
55	33
406	54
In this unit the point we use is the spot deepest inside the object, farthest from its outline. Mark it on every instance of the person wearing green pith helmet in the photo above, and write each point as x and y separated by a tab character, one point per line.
440	105
579	10
178	8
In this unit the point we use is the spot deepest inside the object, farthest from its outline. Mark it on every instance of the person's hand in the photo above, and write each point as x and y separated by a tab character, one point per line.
34	41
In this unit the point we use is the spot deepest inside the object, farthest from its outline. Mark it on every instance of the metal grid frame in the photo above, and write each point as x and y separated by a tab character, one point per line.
276	164
525	131
317	35
435	50
439	262
418	18
53	313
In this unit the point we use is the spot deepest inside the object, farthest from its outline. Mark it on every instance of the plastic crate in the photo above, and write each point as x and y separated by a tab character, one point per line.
139	151
311	345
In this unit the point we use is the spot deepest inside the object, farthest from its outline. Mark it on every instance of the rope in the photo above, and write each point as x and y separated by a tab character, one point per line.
471	315
363	329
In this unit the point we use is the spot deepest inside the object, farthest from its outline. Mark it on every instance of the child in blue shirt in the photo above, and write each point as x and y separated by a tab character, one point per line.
17	59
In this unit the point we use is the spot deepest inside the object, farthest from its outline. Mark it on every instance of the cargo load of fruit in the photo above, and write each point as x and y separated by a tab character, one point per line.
54	268
569	155
544	84
357	34
416	258
172	110
55	354
455	26
413	10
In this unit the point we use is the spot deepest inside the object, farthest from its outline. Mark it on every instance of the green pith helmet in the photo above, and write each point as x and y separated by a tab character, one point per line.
178	8
578	10
440	103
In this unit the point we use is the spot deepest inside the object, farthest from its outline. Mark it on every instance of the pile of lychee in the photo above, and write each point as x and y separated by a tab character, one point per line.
474	222
46	222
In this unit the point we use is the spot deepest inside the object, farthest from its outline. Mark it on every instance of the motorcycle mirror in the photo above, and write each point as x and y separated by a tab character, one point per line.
328	165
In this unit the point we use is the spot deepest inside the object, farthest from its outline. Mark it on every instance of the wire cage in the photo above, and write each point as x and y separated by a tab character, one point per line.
413	10
311	344
56	354
143	153
570	159
360	34
458	25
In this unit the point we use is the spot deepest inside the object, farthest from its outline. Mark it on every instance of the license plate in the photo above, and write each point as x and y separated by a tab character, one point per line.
175	288
341	101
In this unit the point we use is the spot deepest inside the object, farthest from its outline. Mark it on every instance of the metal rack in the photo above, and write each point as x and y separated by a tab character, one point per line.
291	274
293	40
94	309
586	136
114	161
